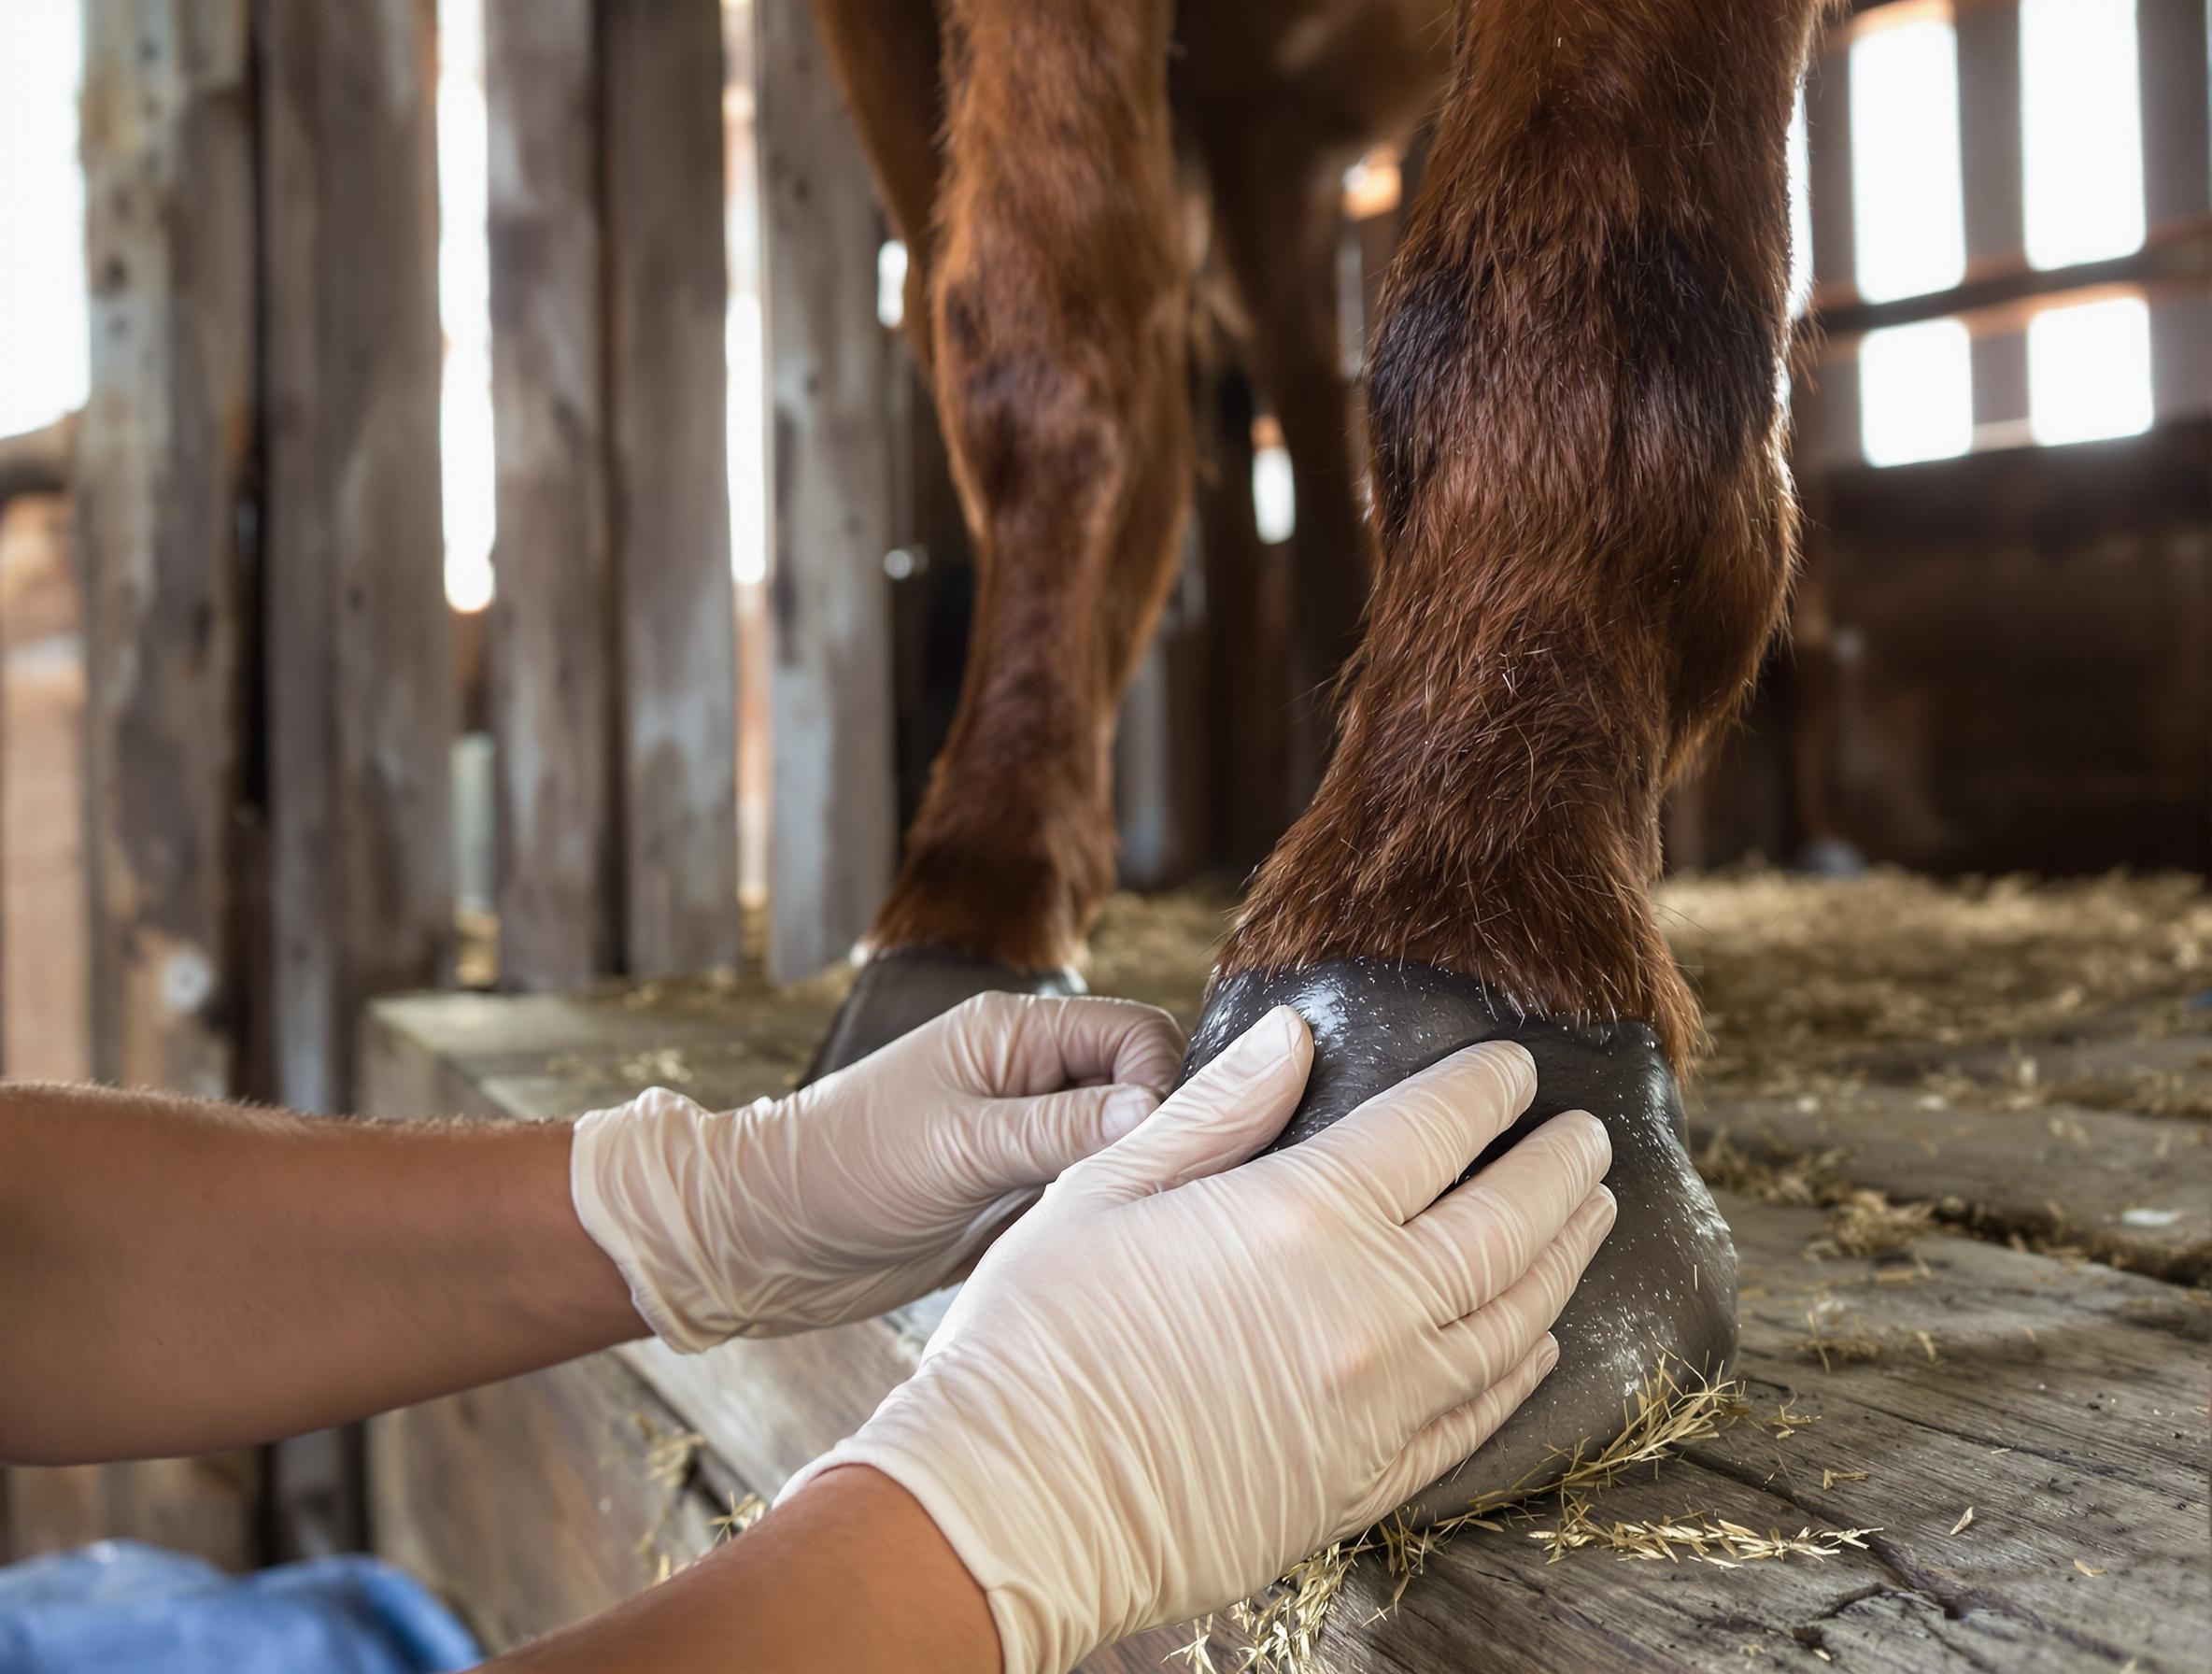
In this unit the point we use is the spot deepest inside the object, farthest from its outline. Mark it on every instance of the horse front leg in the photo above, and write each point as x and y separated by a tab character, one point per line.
1583	532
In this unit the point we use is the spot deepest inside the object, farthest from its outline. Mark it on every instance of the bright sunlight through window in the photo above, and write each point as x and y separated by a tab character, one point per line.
43	337
2081	130
1800	209
1916	393
1906	219
2088	371
464	306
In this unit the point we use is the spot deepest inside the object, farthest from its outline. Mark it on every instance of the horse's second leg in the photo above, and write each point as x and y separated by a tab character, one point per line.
1583	535
1059	331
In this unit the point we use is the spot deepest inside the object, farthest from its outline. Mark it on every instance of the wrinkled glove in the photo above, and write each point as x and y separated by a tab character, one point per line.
873	1185
1170	1383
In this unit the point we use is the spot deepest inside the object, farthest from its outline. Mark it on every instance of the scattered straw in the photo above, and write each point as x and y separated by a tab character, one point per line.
1801	976
1282	1628
1866	1223
742	1514
1832	1341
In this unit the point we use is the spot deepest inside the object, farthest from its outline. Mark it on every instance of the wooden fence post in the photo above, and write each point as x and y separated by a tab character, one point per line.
359	676
661	133
164	467
163	459
833	826
552	651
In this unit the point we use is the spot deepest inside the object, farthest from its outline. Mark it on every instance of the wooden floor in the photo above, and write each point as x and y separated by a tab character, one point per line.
1998	1365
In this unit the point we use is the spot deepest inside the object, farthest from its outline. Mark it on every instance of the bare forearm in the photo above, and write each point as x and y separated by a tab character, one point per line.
177	1277
850	1573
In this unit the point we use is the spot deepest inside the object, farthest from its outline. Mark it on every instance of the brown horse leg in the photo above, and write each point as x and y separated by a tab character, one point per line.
1584	532
1058	334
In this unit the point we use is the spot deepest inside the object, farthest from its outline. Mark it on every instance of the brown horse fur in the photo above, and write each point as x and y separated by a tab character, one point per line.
1582	525
1058	325
1585	524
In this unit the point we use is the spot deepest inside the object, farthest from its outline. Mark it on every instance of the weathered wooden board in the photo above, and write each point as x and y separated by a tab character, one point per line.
535	1503
164	452
2086	1171
359	694
662	92
833	819
2064	1405
552	668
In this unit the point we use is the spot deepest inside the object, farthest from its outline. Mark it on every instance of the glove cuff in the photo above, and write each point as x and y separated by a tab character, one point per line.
629	1201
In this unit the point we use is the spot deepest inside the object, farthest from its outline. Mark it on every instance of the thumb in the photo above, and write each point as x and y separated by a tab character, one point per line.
1031	1142
1222	1115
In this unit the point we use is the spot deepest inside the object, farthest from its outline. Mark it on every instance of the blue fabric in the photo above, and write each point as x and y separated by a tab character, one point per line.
121	1608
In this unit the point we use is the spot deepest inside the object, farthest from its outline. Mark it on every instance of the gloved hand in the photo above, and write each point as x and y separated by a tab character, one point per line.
1171	1382
873	1185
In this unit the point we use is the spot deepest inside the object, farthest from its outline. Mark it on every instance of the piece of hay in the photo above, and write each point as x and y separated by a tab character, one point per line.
1866	1223
1699	1538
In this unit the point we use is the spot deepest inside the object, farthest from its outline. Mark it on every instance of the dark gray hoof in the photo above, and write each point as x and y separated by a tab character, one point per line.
900	990
1661	1291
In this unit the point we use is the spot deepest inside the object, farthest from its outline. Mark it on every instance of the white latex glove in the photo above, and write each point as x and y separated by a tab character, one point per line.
873	1185
1170	1383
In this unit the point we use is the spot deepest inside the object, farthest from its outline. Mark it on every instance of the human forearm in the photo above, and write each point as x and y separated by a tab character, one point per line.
850	1574
178	1277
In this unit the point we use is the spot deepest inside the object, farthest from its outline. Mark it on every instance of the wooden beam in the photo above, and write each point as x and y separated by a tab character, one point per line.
833	834
1989	131
661	81
163	459
2176	257
552	671
164	468
359	678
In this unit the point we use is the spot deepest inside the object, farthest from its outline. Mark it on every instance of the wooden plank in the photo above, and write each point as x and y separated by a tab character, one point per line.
2064	1405
552	661
2176	166
359	679
533	1503
661	86
1990	132
833	811
2133	1190
164	460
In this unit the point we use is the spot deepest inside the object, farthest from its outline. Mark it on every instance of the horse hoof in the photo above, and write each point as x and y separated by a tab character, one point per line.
898	991
1658	1297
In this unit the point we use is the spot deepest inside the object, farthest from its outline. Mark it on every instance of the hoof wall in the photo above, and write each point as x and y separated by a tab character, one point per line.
897	991
1660	1295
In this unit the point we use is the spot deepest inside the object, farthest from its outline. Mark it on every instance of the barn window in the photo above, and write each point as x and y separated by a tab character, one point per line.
1274	495
2081	130
890	284
43	343
464	308
2088	371
1916	393
1907	221
1800	210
